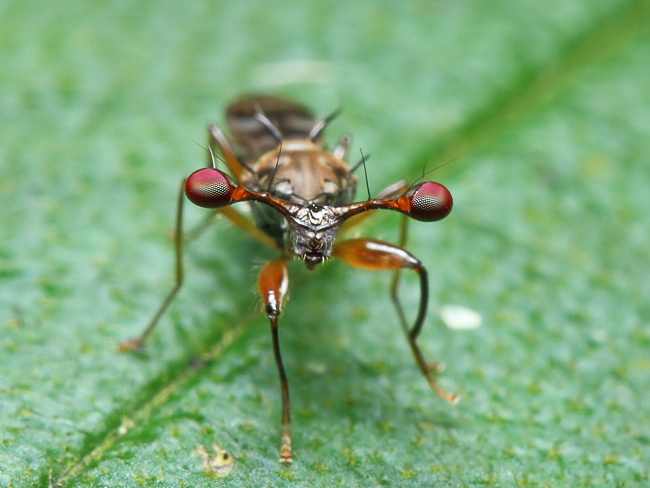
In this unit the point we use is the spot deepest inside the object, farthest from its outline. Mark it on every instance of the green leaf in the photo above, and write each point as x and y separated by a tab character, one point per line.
534	114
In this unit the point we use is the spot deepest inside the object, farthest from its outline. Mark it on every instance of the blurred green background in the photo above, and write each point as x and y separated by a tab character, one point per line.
541	109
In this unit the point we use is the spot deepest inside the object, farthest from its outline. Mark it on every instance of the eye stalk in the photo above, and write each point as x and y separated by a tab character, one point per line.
427	201
209	188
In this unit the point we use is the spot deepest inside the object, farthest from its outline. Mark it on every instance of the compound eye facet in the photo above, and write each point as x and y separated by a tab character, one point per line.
429	201
209	188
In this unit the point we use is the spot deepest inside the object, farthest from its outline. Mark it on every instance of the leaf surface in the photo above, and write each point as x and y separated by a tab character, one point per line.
535	115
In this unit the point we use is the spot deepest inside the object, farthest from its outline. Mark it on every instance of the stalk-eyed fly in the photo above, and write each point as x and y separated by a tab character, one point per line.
300	195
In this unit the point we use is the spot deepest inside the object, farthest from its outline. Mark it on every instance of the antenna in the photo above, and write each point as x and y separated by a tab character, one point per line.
424	174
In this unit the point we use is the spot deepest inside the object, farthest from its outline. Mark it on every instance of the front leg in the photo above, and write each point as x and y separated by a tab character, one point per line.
272	285
377	255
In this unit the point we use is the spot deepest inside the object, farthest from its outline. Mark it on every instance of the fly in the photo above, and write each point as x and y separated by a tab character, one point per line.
300	195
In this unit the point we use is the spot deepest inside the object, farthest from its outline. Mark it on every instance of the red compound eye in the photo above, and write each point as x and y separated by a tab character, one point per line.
429	201
209	188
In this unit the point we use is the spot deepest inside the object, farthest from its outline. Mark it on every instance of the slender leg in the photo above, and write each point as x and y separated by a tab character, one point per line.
236	218
180	239
248	226
435	367
138	342
377	255
395	282
272	284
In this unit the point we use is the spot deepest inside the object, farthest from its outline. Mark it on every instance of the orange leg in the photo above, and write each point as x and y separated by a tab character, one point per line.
272	285
237	218
377	255
248	226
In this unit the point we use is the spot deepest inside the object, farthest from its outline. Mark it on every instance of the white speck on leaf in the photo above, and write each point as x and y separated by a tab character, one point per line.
458	317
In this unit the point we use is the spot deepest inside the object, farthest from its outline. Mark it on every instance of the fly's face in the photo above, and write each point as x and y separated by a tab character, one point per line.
312	229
